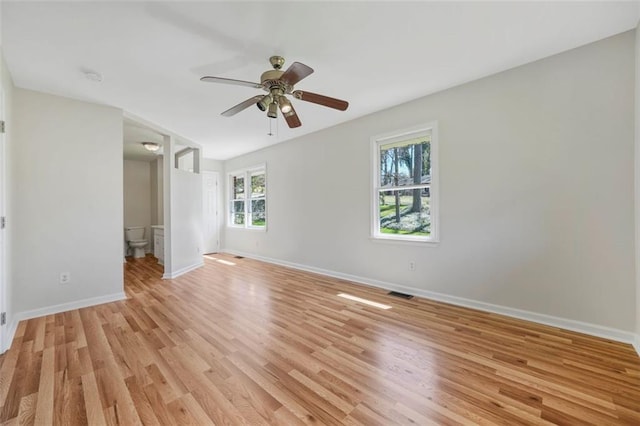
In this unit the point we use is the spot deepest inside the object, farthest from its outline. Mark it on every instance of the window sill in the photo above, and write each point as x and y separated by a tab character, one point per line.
248	228
405	241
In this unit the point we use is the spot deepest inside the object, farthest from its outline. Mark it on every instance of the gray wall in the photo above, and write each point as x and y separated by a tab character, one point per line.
138	204
536	195
158	188
153	180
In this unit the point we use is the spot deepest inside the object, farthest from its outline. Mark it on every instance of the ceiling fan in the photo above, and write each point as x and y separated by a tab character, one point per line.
278	84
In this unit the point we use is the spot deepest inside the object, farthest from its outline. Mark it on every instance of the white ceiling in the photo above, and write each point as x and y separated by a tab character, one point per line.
372	54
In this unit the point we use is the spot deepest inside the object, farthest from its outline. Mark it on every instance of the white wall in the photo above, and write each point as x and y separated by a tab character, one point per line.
137	196
211	165
186	220
536	172
67	201
182	215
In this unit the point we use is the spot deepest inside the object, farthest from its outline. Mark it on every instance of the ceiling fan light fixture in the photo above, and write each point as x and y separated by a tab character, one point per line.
151	146
264	103
273	110
285	105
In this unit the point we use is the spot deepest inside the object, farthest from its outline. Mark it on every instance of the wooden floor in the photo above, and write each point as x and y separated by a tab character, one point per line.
244	342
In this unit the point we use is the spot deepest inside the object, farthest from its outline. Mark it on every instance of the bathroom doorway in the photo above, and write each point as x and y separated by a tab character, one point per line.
210	198
143	189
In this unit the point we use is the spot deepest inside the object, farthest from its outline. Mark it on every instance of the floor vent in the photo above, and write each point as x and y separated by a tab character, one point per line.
402	295
239	257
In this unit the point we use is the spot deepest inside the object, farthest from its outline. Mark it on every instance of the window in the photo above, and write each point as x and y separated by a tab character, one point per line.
404	198
248	198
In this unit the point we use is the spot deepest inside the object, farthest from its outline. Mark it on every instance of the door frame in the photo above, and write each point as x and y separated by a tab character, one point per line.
5	332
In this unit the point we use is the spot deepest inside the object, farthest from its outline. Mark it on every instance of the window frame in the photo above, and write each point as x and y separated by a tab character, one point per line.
401	135
246	174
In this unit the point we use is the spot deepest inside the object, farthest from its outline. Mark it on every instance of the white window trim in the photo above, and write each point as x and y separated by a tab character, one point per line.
247	172
434	190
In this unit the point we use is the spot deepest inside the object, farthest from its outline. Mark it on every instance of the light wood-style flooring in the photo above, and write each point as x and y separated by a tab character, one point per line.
244	342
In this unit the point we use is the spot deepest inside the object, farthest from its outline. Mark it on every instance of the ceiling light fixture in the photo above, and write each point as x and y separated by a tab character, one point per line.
285	105
264	103
273	110
151	146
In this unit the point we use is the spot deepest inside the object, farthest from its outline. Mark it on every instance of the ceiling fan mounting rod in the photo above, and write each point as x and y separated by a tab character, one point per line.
276	62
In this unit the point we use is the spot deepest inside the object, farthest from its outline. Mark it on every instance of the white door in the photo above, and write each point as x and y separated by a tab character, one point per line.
210	212
3	294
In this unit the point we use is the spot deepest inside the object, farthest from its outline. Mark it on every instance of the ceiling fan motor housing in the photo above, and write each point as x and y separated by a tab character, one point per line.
271	78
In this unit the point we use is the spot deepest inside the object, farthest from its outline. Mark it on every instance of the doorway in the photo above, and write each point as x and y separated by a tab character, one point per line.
210	217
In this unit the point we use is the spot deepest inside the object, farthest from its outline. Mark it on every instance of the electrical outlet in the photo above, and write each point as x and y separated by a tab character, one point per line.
65	277
412	266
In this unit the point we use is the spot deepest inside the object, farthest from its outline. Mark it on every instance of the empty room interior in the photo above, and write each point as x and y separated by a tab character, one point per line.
359	213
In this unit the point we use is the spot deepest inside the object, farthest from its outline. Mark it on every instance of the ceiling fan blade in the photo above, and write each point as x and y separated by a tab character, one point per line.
209	79
321	100
241	106
291	117
296	72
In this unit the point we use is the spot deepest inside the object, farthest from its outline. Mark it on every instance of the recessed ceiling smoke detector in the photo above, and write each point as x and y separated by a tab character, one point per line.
93	76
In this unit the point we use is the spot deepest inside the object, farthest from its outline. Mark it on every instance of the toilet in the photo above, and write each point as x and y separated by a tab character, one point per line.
135	240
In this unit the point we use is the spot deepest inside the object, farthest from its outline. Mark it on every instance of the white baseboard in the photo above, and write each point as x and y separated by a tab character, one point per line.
7	337
69	306
636	344
553	321
182	271
55	309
